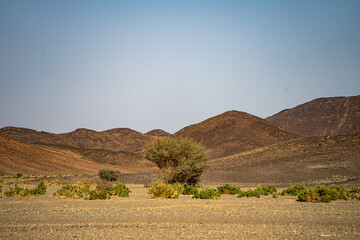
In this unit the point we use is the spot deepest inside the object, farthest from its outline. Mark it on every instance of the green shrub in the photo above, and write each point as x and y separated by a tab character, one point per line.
74	191
25	192
352	195
19	175
294	190
228	189
324	194
253	193
40	189
179	159
108	175
310	195
258	191
241	194
10	192
162	190
120	190
272	189
208	193
190	190
265	190
99	194
354	190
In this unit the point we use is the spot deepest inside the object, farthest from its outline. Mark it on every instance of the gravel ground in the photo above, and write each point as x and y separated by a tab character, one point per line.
140	217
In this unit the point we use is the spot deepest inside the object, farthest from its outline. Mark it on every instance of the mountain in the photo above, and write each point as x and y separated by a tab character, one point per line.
234	132
158	133
22	157
332	159
321	117
118	139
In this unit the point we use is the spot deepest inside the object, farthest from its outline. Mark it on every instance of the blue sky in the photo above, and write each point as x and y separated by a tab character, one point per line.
169	64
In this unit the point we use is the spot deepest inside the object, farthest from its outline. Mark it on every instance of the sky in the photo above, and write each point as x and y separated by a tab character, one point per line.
167	64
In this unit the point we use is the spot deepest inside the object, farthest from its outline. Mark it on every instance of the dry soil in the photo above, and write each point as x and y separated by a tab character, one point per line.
140	217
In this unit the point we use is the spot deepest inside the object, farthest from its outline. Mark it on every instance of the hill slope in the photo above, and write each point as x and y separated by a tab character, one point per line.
321	117
21	157
158	133
119	139
233	132
293	161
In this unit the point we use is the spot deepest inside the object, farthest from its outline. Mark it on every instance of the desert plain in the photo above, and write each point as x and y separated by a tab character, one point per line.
142	217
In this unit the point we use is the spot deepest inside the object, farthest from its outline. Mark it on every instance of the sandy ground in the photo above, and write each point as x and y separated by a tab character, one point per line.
140	217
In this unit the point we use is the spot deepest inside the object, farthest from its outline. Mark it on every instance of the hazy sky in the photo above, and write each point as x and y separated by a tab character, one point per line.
169	64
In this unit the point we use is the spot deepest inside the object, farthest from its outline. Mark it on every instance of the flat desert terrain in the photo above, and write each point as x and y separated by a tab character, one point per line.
141	217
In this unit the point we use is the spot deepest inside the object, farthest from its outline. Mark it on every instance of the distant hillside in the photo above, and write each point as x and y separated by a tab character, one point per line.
336	158
158	133
234	132
321	117
118	139
21	157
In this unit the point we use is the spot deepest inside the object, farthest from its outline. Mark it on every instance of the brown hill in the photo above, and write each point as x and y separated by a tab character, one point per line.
158	133
233	132
16	157
118	139
321	117
307	159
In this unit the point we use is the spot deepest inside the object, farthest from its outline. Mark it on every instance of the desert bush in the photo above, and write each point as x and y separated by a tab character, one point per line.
10	192
19	175
354	190
266	190
352	195
75	191
324	194
99	194
190	190
241	194
272	189
40	189
294	190
253	193
208	193
26	192
120	190
162	190
72	191
179	159
258	191
108	175
262	190
228	189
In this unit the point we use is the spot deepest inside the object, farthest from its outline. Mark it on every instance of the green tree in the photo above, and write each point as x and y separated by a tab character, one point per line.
108	175
180	159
